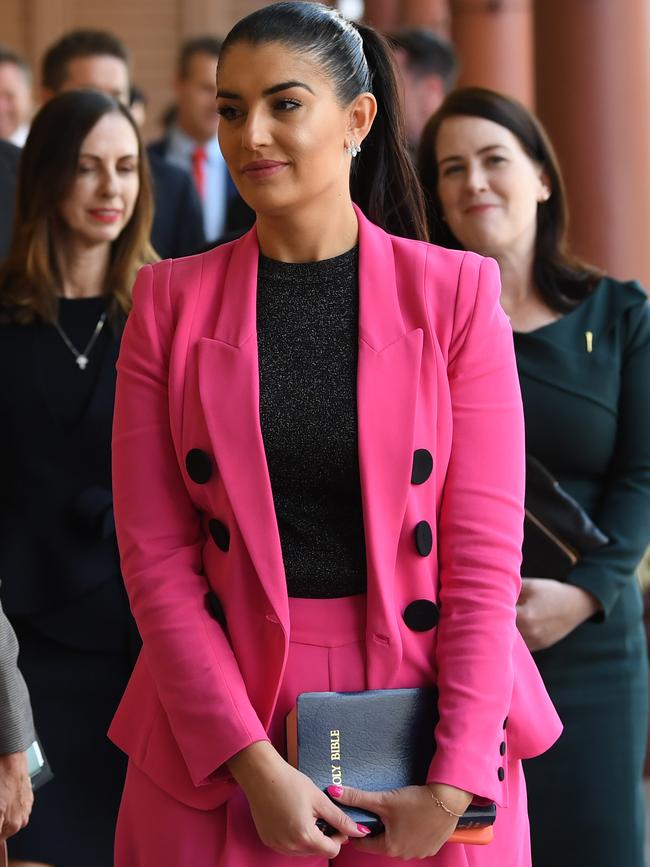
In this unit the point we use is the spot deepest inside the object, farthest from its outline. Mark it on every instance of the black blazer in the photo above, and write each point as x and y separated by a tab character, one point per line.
58	552
178	219
9	158
239	217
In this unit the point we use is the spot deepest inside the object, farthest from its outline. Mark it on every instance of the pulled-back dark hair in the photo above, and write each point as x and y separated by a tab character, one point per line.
357	60
562	279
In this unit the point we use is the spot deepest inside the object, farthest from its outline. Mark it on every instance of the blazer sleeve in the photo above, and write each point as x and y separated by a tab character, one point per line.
16	723
624	510
480	535
160	538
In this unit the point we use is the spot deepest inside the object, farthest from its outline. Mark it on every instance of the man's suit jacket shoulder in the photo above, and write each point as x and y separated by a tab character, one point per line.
178	219
16	724
239	216
9	159
158	148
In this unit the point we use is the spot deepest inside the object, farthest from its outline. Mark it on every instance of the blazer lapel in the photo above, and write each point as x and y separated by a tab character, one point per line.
387	385
229	390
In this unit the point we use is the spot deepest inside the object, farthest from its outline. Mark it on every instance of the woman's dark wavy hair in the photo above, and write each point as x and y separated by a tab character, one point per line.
29	277
357	60
562	279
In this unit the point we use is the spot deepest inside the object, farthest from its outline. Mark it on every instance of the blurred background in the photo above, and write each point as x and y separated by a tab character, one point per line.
583	65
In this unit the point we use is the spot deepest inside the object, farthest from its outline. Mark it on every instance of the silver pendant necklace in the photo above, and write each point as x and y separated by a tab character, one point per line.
81	358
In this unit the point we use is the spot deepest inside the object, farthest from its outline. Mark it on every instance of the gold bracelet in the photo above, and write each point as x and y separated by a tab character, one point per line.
444	807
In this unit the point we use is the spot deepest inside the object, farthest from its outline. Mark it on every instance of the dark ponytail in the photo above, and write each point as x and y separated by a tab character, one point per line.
384	182
357	59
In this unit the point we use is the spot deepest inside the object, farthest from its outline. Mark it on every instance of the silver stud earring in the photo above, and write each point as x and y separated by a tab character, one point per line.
353	148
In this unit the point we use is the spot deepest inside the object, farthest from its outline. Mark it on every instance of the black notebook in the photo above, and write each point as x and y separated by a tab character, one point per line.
374	740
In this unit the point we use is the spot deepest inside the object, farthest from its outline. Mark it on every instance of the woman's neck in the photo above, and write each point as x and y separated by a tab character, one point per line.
517	284
82	269
520	297
309	234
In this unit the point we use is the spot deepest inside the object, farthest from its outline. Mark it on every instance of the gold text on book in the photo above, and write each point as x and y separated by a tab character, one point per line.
335	757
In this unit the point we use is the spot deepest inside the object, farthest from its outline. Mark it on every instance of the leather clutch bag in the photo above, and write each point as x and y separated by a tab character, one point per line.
374	740
557	530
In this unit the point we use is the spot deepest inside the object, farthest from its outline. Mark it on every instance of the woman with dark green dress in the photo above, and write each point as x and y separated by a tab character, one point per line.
583	351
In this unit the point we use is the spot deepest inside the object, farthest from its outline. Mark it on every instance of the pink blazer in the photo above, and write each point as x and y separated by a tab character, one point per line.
194	512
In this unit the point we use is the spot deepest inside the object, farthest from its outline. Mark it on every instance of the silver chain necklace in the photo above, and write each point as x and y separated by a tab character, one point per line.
81	358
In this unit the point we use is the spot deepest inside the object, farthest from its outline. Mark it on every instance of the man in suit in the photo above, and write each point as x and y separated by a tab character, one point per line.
16	734
15	97
97	59
9	156
191	141
428	67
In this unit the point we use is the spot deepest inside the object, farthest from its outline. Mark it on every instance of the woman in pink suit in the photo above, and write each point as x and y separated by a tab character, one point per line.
318	468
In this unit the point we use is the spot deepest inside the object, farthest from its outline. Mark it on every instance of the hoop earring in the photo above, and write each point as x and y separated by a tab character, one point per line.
353	148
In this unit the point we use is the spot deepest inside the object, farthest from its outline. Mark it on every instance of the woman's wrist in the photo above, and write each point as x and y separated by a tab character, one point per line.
451	800
259	758
585	603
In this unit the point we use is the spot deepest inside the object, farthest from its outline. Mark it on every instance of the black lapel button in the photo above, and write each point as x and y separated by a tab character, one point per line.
502	748
198	465
422	466
215	608
219	533
501	774
423	538
505	723
421	615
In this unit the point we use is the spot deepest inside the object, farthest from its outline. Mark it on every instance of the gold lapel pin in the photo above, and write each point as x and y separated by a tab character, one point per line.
589	340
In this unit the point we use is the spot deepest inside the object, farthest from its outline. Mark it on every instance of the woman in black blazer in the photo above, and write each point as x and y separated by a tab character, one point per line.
82	228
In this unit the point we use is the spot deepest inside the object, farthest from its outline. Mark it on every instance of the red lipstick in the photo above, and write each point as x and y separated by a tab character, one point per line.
106	215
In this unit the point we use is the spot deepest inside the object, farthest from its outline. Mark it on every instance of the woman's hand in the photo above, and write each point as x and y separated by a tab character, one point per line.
548	610
416	827
285	805
16	796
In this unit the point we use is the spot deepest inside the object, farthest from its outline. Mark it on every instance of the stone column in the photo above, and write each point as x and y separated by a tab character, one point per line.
593	95
494	39
384	15
434	14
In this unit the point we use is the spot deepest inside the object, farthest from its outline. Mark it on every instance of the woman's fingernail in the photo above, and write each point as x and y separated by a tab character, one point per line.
363	829
335	791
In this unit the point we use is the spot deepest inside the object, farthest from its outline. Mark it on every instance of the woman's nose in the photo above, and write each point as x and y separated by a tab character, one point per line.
255	132
476	178
110	185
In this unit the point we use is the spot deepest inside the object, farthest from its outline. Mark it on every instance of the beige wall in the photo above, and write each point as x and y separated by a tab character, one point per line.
151	29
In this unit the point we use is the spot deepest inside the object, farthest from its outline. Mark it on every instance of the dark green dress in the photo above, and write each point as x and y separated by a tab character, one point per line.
586	389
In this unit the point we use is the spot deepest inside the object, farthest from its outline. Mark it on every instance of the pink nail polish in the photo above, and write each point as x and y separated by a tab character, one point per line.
335	791
363	829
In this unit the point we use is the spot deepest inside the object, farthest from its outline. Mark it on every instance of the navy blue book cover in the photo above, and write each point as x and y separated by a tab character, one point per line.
373	740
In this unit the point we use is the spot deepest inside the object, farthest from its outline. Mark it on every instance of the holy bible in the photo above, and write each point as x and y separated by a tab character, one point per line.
374	740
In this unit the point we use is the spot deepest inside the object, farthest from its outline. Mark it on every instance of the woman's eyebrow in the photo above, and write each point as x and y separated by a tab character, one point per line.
276	88
481	151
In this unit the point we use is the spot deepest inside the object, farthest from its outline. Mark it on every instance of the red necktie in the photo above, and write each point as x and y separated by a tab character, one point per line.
198	159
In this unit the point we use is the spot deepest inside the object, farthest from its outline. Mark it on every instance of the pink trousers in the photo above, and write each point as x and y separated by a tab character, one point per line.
326	652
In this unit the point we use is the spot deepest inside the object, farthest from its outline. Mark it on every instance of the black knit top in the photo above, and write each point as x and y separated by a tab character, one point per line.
307	331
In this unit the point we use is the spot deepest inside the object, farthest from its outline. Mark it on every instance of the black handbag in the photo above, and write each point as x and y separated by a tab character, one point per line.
557	530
